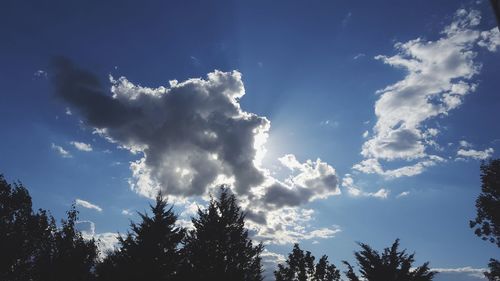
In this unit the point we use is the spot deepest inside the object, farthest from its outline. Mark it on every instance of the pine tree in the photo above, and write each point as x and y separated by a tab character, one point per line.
150	252
300	267
391	265
218	248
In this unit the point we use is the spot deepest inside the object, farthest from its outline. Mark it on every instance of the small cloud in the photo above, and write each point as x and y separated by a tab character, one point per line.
346	19
68	111
353	190
359	56
195	61
82	146
40	74
465	144
127	212
365	134
260	64
87	205
403	194
475	154
329	123
62	152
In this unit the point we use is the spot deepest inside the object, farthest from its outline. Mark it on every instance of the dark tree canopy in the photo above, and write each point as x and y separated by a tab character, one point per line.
300	266
218	248
391	265
487	222
150	252
33	248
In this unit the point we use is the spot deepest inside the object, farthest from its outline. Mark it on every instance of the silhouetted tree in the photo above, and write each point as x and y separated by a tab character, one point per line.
33	248
66	255
150	252
487	222
391	265
218	248
300	267
16	231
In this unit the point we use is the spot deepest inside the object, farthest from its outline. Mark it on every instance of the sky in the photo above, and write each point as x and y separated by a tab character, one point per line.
333	122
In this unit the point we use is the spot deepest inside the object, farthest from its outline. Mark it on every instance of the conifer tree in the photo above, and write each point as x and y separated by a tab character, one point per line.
218	248
391	265
150	251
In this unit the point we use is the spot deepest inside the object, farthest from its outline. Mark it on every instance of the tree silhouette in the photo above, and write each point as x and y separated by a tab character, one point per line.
487	222
33	248
300	267
150	252
65	254
218	248
391	265
16	231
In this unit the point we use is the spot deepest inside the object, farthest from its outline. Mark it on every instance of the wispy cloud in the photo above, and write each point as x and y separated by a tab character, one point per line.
82	146
438	78
63	152
87	205
475	154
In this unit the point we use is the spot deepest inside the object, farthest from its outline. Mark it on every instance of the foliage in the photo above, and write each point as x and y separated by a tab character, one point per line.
218	248
391	265
150	252
487	222
300	267
32	246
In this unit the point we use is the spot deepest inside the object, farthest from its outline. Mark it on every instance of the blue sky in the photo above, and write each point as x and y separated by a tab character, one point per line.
374	117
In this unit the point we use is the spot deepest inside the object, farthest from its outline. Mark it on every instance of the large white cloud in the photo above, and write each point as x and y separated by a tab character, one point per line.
438	78
191	136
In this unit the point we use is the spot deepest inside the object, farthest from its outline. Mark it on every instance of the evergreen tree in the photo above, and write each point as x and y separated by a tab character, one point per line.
487	222
300	267
218	248
150	252
391	265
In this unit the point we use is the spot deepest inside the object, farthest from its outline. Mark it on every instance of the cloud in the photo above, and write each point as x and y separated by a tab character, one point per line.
403	194
40	74
270	261
438	77
63	152
127	212
314	180
288	225
187	135
193	135
467	270
82	146
476	154
87	205
359	56
355	191
68	111
106	241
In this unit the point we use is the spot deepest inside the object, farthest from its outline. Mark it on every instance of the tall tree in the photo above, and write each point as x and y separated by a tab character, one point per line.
33	248
218	248
150	252
487	222
16	231
391	265
300	267
65	254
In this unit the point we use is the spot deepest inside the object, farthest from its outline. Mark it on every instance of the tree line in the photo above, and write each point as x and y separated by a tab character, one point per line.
33	247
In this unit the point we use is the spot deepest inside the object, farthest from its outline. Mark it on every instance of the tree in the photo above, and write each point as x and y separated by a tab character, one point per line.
16	231
150	252
218	248
64	254
301	267
487	222
33	248
391	265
